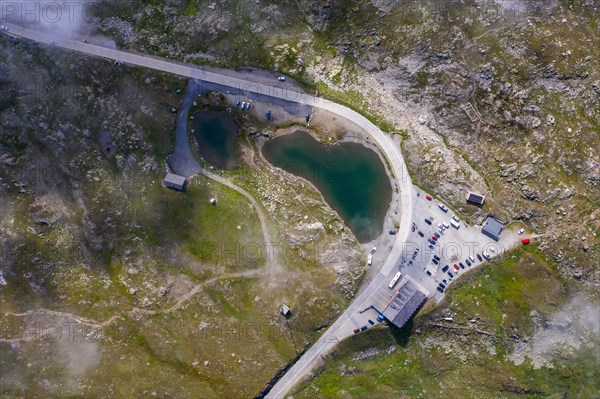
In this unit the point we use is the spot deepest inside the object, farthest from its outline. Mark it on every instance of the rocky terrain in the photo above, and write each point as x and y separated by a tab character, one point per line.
108	277
498	97
513	329
494	96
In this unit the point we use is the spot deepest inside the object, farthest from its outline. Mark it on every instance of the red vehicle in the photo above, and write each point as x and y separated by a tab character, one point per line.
356	331
434	238
525	241
428	197
456	267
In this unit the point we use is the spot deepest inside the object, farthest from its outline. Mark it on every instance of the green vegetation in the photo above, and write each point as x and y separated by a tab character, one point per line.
190	9
355	101
431	364
172	295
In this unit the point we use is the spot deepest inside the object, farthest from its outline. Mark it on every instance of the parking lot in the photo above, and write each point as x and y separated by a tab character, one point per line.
453	246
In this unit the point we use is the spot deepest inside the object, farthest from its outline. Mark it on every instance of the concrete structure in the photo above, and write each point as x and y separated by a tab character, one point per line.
492	228
175	182
406	302
475	198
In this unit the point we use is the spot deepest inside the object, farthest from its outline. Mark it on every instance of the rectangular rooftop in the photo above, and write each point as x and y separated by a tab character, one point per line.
406	302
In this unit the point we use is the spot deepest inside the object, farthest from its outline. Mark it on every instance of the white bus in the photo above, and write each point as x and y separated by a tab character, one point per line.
395	280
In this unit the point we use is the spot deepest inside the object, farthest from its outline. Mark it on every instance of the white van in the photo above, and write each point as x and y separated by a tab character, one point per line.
446	225
370	259
454	224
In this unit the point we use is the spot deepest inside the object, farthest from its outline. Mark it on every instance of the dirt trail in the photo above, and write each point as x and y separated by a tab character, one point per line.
271	266
98	325
183	162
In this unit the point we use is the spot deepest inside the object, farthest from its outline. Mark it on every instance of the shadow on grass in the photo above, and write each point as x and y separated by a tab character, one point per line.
402	335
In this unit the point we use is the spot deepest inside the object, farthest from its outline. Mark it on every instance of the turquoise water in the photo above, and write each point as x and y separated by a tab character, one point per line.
216	133
350	176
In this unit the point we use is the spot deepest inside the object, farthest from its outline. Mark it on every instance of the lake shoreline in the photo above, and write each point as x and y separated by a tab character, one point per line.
349	174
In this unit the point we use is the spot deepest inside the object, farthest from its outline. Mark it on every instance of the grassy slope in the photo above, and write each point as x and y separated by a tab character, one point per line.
502	296
113	229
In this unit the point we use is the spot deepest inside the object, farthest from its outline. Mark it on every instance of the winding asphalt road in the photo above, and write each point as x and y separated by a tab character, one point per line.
345	324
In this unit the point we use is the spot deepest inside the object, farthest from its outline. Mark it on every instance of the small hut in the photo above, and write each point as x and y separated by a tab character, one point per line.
175	182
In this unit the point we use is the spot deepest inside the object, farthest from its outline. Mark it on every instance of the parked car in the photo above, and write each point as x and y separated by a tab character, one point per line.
435	262
521	231
428	273
468	262
4	28
479	257
431	241
427	221
392	232
525	241
486	255
446	225
444	281
356	330
430	246
445	268
436	257
441	226
373	250
440	290
472	259
456	267
461	265
437	235
443	207
421	234
450	275
363	328
457	220
428	197
371	322
441	231
443	285
434	238
281	78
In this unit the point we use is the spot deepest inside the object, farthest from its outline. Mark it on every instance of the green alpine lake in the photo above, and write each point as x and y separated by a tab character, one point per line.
350	176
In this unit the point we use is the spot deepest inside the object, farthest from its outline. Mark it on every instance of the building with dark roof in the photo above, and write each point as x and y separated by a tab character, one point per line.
475	198
492	228
406	302
175	182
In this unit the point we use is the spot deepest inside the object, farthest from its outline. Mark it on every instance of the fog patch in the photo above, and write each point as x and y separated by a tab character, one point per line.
79	357
577	323
61	19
